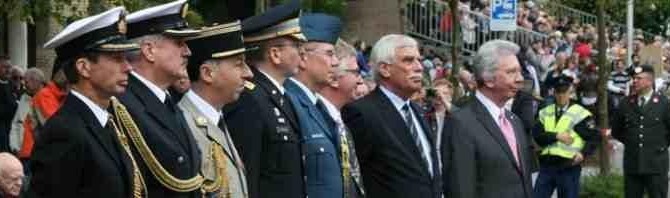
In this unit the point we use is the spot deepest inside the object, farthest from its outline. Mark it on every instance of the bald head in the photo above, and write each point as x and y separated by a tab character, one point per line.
11	174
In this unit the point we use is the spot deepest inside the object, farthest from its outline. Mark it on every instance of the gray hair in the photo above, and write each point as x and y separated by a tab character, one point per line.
488	55
134	55
384	51
36	74
343	50
18	69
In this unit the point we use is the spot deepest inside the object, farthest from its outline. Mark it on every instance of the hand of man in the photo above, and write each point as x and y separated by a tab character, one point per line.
564	137
578	158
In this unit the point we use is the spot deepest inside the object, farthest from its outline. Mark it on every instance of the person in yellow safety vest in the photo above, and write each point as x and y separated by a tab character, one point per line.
567	134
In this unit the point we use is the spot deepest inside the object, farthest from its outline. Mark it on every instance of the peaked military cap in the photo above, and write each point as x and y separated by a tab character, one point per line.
214	42
104	32
276	22
167	19
643	69
320	28
563	82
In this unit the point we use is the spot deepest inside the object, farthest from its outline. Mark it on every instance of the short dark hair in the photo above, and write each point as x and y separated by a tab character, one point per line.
69	68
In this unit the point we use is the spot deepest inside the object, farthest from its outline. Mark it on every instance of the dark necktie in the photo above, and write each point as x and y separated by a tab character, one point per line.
409	122
168	103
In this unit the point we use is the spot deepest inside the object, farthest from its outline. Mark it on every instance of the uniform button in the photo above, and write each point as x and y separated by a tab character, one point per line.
641	136
321	149
180	159
285	138
641	126
640	145
641	117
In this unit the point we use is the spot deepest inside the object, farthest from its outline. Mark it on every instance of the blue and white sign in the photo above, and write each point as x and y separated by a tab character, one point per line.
503	15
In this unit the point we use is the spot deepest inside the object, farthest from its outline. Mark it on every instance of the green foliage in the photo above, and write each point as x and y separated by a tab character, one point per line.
602	186
647	17
333	7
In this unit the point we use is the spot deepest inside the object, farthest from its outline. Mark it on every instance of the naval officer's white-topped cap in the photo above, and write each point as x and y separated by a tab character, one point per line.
167	19
104	32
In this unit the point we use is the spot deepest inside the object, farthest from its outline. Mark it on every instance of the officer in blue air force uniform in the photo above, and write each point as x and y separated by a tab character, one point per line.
642	125
323	170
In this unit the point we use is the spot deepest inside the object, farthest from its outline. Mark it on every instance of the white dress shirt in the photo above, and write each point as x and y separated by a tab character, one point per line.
100	114
160	93
274	82
492	108
311	95
398	103
212	114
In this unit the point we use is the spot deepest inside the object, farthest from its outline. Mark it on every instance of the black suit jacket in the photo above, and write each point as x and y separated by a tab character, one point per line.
391	164
8	105
76	157
477	159
167	135
265	130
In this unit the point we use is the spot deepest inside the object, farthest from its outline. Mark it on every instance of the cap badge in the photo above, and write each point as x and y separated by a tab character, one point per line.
638	69
122	26
184	10
655	99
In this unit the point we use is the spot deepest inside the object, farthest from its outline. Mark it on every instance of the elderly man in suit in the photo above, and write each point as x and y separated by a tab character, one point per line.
262	122
486	151
218	72
393	140
81	152
170	157
341	91
323	171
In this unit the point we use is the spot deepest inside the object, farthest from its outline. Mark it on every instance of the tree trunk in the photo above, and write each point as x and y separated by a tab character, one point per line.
455	48
603	75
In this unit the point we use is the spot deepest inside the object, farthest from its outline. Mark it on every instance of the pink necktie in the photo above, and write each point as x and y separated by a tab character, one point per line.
508	132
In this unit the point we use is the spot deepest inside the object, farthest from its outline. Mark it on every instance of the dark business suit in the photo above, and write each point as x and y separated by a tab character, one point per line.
264	128
391	164
323	170
8	105
478	160
77	157
167	135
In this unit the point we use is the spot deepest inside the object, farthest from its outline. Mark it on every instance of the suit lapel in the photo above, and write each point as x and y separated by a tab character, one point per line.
104	137
520	138
492	128
275	96
157	110
301	97
396	121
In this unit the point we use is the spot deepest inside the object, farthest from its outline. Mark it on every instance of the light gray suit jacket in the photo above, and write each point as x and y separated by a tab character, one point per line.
205	133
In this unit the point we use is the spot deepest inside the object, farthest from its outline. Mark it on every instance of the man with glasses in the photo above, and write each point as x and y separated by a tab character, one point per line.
339	92
262	122
321	142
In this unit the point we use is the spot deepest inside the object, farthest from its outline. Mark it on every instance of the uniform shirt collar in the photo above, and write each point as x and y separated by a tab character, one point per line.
274	82
490	106
158	92
647	96
332	110
100	114
311	95
204	107
397	102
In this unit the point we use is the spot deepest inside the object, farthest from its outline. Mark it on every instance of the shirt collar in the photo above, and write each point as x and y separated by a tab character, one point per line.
311	95
647	96
332	110
493	109
158	92
397	102
204	107
274	82
100	114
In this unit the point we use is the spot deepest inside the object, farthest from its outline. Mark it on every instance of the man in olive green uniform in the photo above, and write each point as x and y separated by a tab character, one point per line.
642	126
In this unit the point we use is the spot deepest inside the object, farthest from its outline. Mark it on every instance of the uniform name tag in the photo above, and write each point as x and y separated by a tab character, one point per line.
283	129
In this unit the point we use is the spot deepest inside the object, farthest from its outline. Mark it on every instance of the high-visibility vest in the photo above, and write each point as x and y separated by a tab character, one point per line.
566	122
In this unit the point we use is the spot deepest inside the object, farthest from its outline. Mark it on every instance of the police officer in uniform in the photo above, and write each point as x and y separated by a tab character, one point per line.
218	74
81	152
159	133
642	125
567	134
262	122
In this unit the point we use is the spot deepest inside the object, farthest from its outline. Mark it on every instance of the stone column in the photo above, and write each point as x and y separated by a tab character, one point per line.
18	42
